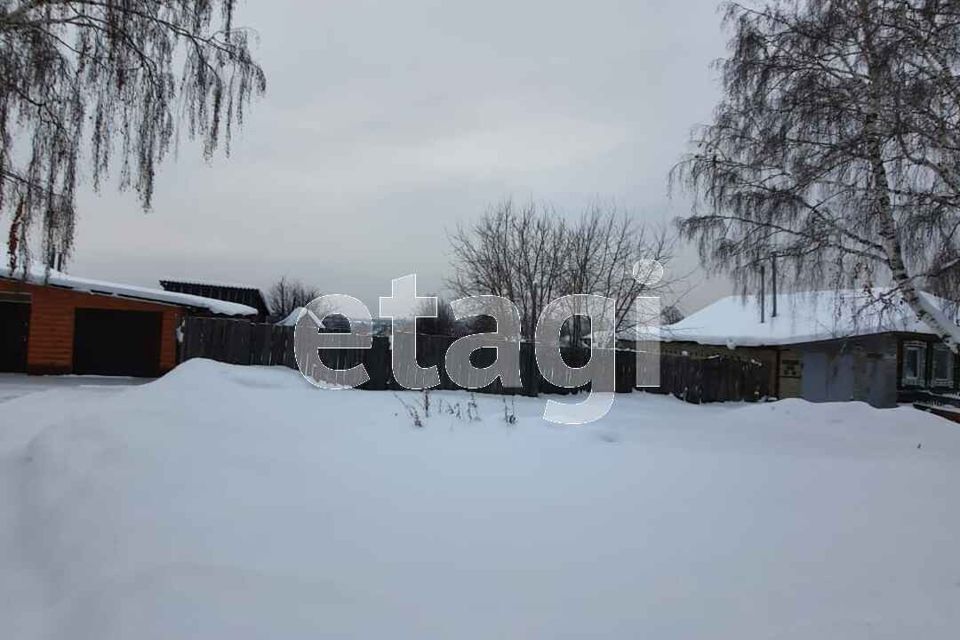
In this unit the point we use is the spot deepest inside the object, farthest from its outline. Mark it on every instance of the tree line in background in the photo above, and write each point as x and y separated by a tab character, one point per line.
532	256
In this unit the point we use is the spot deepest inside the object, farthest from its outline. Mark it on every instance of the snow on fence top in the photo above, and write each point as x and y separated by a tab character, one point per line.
801	317
36	274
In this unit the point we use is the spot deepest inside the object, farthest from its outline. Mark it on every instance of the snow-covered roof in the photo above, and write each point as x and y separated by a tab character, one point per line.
292	318
36	274
801	317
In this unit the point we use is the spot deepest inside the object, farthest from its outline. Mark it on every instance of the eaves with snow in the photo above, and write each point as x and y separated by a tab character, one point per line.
37	275
816	316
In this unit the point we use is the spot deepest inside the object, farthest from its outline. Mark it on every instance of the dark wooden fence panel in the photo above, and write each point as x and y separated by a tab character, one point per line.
237	342
696	380
713	379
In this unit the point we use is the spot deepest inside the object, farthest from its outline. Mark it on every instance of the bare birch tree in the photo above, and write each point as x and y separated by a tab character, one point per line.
835	148
113	79
531	256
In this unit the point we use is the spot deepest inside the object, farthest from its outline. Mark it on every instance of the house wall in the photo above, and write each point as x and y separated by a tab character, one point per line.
50	340
863	369
790	381
907	391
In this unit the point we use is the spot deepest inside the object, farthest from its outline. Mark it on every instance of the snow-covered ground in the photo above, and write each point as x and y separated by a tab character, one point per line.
16	385
230	503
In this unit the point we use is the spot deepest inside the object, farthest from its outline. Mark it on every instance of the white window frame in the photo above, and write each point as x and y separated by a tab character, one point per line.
934	380
921	379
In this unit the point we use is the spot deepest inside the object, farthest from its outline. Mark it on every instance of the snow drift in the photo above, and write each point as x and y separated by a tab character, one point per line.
229	502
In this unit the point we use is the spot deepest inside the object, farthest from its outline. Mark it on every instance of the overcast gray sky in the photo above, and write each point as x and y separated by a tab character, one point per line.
387	123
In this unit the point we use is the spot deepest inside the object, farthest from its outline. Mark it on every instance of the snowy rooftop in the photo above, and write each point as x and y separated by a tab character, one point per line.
801	317
36	274
292	318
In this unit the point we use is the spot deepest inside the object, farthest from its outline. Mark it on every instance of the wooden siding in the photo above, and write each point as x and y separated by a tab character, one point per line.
50	341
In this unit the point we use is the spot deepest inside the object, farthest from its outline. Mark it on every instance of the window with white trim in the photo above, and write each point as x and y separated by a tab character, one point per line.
914	364
942	370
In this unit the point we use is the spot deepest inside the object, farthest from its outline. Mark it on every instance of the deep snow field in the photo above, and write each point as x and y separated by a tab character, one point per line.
231	503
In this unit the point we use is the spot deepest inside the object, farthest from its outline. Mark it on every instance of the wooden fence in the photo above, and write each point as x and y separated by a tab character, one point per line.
714	379
696	380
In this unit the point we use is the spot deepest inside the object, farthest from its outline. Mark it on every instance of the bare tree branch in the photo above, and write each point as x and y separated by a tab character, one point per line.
532	257
835	148
112	77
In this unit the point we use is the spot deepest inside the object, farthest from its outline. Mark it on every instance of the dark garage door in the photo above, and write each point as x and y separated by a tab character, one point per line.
14	327
116	343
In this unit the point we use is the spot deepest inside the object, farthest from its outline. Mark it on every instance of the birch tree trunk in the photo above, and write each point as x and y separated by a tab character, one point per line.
881	200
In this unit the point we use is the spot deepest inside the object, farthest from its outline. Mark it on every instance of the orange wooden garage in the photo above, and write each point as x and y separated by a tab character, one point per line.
60	324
